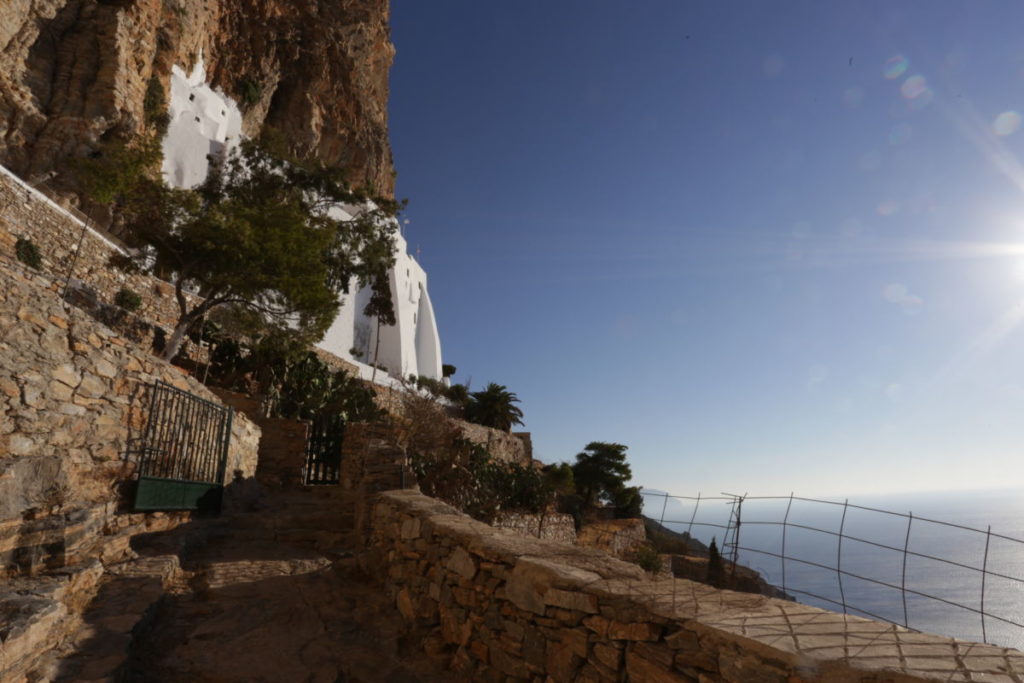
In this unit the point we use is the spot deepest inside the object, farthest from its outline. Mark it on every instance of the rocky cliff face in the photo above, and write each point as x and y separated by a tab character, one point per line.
73	71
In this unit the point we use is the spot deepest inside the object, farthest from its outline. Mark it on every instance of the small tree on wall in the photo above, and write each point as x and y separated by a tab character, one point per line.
600	474
258	234
494	407
380	308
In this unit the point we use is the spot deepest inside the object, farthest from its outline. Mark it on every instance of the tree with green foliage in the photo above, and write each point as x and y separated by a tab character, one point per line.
494	407
281	366
459	395
600	475
381	308
259	234
716	568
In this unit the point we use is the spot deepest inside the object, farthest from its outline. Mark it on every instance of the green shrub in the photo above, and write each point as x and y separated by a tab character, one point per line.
28	253
458	394
716	568
465	476
447	370
647	558
128	299
434	387
298	383
154	106
251	91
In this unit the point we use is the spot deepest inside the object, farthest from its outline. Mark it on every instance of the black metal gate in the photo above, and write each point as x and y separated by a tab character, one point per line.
323	450
183	453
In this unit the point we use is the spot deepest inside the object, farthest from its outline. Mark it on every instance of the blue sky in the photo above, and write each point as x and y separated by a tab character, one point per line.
770	247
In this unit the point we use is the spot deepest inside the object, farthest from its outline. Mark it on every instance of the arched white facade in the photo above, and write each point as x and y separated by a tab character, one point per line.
409	347
204	121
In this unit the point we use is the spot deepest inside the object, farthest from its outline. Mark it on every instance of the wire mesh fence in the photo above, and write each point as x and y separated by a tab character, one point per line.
918	572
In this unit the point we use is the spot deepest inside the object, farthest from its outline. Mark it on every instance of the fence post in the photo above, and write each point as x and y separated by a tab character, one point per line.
736	534
984	571
689	529
839	555
785	524
903	580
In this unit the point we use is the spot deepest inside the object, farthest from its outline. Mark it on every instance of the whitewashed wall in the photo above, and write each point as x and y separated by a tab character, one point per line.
205	121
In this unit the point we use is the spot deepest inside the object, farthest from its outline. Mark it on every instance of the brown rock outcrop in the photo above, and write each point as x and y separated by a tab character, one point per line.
72	71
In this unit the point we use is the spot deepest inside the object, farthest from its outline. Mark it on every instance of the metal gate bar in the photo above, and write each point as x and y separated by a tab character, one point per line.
184	451
323	450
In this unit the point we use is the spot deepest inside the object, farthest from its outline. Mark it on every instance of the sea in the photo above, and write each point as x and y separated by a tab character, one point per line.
964	559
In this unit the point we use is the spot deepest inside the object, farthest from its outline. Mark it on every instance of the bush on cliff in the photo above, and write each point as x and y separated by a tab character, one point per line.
449	467
468	478
128	299
28	253
296	382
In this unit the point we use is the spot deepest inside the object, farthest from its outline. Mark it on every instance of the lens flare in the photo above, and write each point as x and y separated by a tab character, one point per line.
895	67
1006	123
915	86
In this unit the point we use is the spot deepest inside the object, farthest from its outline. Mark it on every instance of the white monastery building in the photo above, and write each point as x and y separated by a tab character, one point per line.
205	121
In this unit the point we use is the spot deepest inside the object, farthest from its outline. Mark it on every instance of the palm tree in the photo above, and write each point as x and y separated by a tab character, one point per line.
493	407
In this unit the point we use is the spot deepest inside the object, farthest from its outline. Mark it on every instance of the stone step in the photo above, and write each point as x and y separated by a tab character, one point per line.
331	543
38	614
102	645
218	574
128	595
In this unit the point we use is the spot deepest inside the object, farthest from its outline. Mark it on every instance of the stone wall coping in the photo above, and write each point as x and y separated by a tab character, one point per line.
815	643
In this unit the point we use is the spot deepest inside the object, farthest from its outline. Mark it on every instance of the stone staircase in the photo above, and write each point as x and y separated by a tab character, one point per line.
37	614
272	593
94	640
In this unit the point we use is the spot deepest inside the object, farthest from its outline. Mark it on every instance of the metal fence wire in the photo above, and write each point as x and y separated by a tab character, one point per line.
863	565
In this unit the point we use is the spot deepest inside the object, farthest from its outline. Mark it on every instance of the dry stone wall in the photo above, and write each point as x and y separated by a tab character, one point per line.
619	537
26	212
72	402
502	446
554	526
499	606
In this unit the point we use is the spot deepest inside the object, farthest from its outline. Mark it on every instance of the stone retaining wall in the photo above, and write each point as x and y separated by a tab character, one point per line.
72	403
499	606
26	212
619	537
502	446
554	526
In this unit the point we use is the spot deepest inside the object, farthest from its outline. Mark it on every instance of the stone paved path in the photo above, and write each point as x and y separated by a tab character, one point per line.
251	601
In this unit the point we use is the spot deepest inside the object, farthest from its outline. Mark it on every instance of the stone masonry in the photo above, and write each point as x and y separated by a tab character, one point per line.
26	212
510	608
72	402
554	526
